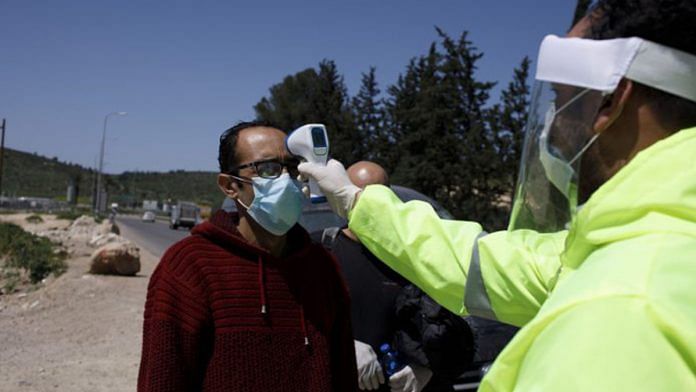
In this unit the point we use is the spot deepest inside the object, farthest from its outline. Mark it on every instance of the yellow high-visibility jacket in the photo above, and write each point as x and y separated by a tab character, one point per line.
609	305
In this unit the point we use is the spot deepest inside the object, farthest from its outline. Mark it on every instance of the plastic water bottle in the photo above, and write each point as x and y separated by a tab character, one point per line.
390	360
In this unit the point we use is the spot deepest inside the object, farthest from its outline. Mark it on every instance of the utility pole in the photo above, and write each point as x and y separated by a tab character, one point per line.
94	185
2	153
97	208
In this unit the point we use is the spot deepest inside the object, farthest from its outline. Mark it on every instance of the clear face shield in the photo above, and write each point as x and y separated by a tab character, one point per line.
559	131
574	78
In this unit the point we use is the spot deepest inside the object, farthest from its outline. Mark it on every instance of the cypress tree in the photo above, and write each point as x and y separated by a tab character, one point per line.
313	97
368	112
507	122
333	110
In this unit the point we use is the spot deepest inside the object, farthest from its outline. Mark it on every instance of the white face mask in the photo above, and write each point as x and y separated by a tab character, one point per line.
559	172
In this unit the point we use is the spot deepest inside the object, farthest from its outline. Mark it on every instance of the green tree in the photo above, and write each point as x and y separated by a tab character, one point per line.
515	111
291	101
437	110
368	112
313	97
400	103
471	188
434	131
333	110
507	122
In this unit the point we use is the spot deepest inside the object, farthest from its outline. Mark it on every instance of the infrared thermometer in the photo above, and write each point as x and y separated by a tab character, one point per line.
310	142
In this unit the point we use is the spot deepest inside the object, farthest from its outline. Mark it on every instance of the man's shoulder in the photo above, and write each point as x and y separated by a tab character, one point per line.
187	247
199	250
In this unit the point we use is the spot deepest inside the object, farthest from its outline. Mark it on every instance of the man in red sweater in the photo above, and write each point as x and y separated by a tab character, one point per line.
247	302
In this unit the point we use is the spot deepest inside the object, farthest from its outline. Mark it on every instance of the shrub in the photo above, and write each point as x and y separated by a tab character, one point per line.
12	279
33	254
70	215
34	219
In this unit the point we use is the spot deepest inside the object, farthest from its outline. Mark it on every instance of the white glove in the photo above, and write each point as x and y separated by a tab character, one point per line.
334	183
412	378
370	374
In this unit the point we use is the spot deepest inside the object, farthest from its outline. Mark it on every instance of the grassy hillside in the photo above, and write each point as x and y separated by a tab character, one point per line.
197	186
28	174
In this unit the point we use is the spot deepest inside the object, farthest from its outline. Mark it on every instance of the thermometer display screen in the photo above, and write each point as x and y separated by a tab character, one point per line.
318	137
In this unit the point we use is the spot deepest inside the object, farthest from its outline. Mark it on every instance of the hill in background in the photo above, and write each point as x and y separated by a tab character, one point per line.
26	174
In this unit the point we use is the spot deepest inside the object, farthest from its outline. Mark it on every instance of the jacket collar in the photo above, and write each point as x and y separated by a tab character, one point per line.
655	192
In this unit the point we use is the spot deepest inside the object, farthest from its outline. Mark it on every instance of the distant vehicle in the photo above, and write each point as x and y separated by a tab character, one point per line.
184	214
113	212
149	216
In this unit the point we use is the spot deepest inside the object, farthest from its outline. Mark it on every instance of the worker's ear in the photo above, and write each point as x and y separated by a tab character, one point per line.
228	185
613	105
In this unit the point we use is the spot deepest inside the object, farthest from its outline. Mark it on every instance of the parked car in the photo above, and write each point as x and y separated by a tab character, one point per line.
148	216
184	214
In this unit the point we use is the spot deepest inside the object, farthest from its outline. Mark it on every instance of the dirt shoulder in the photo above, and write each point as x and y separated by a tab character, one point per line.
79	332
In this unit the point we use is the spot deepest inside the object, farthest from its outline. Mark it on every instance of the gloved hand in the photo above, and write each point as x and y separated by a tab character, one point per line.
412	378
334	183
370	374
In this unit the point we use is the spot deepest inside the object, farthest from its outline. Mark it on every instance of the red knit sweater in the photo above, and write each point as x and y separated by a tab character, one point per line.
223	315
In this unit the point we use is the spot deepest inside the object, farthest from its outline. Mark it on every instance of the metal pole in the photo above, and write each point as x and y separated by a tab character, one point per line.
2	153
101	165
101	160
94	185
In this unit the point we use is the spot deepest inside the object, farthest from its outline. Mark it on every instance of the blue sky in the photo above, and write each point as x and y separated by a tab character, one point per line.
185	71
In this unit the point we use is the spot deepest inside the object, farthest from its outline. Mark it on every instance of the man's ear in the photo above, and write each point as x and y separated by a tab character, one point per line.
228	186
613	105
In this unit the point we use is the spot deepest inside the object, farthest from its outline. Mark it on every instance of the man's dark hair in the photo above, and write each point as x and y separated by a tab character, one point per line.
666	22
227	151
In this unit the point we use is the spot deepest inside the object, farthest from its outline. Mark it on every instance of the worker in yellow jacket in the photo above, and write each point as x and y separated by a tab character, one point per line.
598	265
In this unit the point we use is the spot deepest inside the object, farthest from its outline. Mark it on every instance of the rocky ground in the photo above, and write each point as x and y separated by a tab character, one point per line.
78	332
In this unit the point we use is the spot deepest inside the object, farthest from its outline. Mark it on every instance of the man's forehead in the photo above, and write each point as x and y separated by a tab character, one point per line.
261	143
266	133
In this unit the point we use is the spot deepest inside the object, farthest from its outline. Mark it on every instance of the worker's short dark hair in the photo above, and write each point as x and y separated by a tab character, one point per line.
665	22
227	152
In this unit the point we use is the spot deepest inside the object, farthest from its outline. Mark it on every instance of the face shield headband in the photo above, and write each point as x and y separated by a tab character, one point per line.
574	77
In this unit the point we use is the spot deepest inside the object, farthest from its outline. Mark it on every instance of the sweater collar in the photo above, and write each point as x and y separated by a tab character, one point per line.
222	230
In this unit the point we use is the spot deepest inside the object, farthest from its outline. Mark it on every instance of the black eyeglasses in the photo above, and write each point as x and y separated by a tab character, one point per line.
271	168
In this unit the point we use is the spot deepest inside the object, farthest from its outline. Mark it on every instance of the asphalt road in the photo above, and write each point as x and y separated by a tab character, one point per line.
154	237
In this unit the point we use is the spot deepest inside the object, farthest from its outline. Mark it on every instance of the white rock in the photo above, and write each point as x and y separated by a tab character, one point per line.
116	259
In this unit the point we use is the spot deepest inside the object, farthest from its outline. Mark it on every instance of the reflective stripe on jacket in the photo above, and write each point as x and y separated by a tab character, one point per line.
609	305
